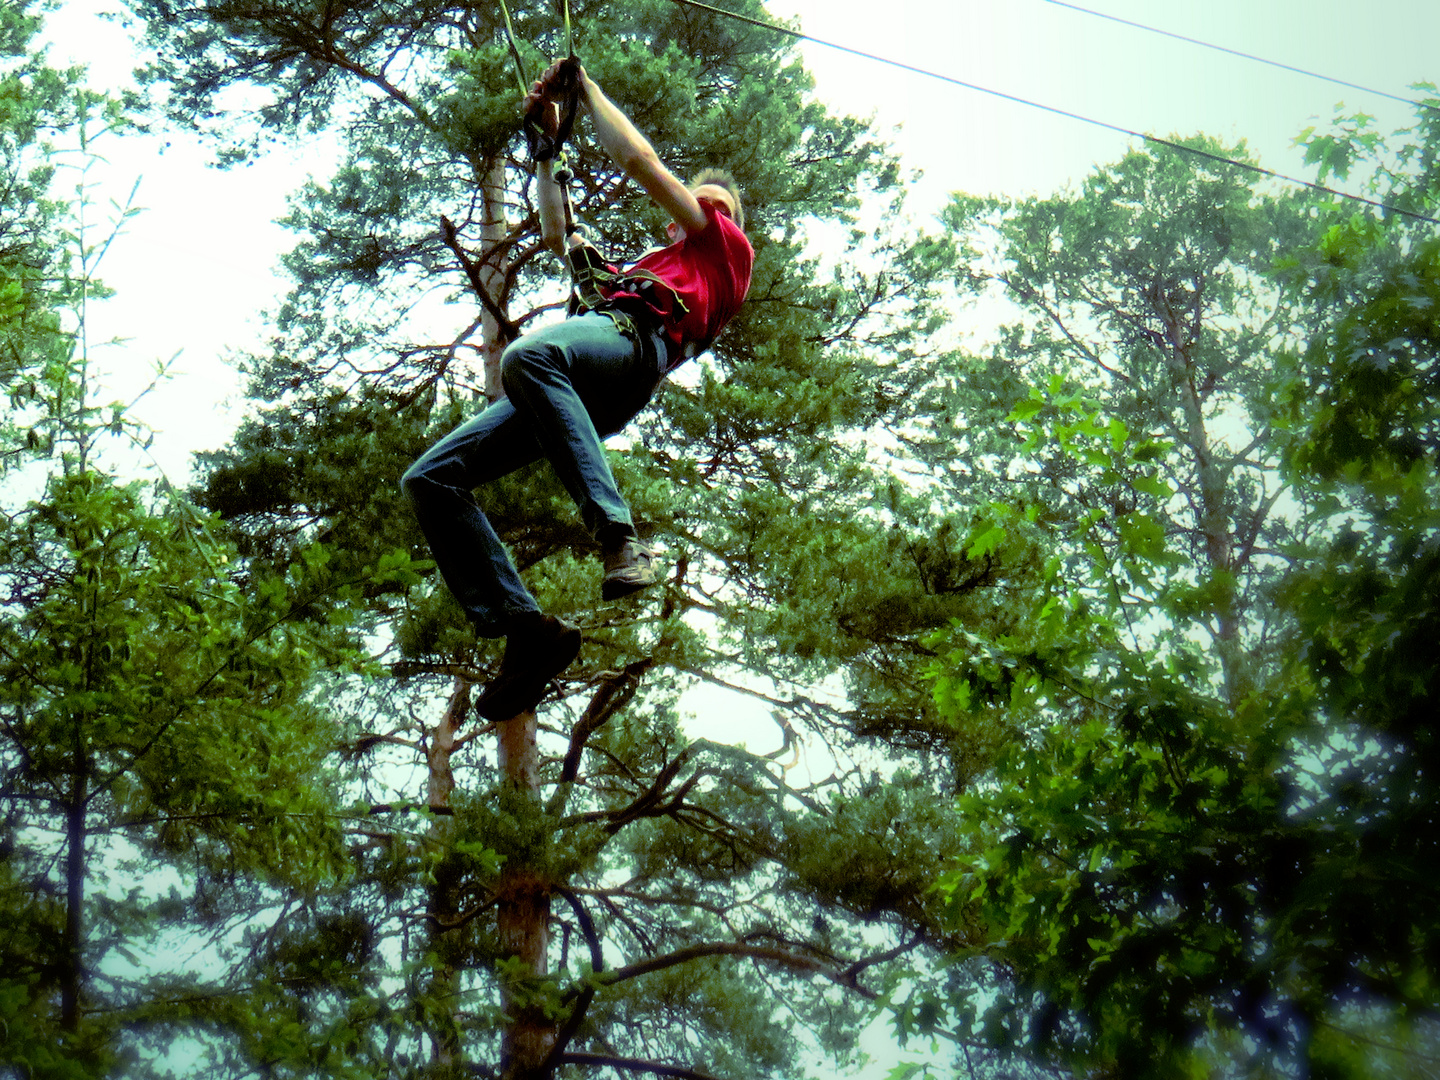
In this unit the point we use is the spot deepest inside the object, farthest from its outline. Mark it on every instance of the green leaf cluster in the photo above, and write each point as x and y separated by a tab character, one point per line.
1198	868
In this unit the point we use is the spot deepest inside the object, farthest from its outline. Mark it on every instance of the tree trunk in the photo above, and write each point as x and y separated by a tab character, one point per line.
1214	516
523	914
441	905
74	897
523	900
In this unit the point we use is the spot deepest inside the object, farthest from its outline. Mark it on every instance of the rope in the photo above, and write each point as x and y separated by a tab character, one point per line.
515	50
544	147
1245	55
1181	147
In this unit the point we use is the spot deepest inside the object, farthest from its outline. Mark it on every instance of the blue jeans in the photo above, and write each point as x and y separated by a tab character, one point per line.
570	385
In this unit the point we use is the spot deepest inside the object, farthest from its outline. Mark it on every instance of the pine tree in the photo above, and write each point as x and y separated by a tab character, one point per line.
686	885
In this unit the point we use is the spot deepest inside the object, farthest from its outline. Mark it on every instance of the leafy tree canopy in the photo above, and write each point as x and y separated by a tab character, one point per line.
1218	863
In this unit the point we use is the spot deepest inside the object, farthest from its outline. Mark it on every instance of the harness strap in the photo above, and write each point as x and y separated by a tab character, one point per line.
514	50
591	277
544	147
589	274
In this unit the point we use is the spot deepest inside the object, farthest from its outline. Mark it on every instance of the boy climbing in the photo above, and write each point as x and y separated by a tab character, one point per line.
571	384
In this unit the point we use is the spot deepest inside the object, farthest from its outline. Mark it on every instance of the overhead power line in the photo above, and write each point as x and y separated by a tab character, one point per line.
1157	140
1245	56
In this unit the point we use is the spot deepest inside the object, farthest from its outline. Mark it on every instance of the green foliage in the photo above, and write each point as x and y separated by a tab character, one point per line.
1121	861
1182	872
1145	666
161	734
1166	555
785	567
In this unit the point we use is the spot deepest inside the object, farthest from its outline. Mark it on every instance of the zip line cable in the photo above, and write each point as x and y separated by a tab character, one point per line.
1245	56
1181	147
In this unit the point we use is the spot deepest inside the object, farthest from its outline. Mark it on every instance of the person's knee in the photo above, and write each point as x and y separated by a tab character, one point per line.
523	364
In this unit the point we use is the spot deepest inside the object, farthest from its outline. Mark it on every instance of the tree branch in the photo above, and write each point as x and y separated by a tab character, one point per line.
406	807
637	1065
582	1004
451	238
1257	522
614	694
714	948
1033	297
587	927
648	805
408	669
850	976
460	920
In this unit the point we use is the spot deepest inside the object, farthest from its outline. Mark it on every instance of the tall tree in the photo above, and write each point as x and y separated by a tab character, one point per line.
655	893
144	682
1194	862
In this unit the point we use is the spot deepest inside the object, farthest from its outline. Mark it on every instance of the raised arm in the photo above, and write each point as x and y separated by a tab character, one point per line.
632	152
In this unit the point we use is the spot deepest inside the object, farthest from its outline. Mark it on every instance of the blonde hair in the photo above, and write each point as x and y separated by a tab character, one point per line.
722	178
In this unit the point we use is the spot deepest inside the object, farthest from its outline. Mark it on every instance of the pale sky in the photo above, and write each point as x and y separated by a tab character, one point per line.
196	268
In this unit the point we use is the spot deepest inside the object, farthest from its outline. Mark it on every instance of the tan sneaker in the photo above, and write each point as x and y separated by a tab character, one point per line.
629	568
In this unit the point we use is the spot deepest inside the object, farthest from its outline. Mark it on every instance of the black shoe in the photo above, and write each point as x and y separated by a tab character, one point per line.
628	568
537	650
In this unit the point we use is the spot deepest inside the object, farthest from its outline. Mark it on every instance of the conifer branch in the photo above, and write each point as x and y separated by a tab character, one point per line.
462	919
715	948
408	669
646	944
614	693
367	742
406	807
582	1003
649	805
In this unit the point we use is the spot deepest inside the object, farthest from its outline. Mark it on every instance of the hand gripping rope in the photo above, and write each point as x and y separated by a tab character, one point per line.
588	269
543	146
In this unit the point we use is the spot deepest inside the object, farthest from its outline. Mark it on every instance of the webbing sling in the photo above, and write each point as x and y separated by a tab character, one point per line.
542	146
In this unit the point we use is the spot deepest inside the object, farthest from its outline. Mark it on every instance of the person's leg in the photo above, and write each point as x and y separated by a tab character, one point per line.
475	565
472	560
577	382
568	385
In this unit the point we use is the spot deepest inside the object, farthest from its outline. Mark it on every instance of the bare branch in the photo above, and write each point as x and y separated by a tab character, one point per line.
715	948
582	1004
614	693
636	1065
461	919
1031	296
408	669
1256	523
450	236
404	808
851	975
587	927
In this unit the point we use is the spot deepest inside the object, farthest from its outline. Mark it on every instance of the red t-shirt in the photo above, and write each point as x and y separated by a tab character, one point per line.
696	284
